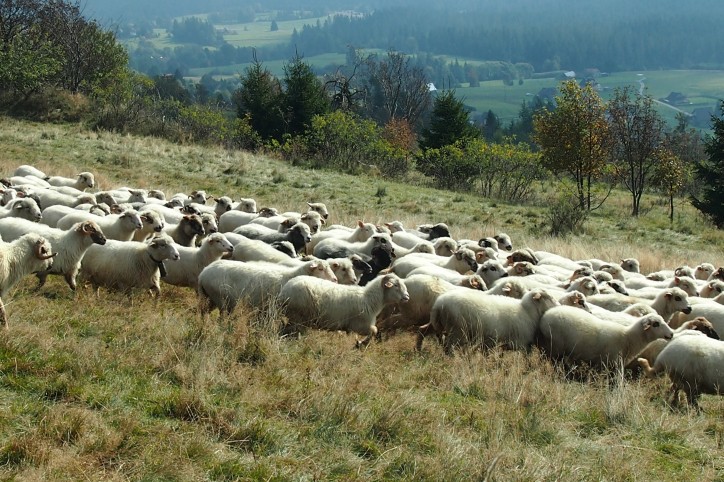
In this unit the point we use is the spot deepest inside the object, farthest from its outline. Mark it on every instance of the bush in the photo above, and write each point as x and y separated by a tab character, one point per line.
565	216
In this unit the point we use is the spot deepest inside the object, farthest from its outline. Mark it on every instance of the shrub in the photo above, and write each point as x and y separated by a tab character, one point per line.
565	216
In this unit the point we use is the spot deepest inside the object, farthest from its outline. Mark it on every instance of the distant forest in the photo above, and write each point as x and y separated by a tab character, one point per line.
610	35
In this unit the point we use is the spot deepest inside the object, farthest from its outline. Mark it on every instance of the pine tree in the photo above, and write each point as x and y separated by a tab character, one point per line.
260	99
449	123
304	95
710	175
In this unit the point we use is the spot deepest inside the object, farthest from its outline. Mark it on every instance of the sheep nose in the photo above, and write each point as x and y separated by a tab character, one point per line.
405	298
158	229
687	310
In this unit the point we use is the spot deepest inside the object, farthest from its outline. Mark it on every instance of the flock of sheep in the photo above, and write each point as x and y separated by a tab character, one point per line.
367	279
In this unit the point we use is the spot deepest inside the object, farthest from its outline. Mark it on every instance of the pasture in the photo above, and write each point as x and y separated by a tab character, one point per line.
119	388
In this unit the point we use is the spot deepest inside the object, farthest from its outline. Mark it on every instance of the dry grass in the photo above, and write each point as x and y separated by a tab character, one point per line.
113	388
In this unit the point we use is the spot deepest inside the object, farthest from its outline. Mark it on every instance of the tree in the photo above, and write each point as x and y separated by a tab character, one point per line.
259	98
398	89
304	95
491	126
274	26
637	132
449	122
709	174
574	138
671	175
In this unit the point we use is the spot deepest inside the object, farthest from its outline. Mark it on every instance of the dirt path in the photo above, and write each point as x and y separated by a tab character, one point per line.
642	86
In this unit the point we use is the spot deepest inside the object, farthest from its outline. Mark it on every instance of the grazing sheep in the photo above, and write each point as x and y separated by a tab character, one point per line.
340	248
118	227
320	304
461	261
231	220
184	233
577	336
694	364
423	290
510	287
27	254
712	311
666	303
472	318
224	283
70	245
185	272
27	170
688	285
491	271
362	232
448	275
321	208
699	324
124	265
575	299
299	235
153	223
84	180
26	208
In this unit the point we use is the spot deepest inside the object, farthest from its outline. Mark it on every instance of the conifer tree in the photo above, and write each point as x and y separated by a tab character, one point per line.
710	175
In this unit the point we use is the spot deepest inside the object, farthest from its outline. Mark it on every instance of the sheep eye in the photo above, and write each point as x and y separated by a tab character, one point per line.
656	323
678	298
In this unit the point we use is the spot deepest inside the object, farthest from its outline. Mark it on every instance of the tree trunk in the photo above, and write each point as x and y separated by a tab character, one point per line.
671	209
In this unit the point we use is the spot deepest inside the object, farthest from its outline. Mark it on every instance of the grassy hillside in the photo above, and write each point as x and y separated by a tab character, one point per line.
118	388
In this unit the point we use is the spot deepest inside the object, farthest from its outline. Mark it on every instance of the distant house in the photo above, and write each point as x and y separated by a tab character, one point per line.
592	82
676	98
570	74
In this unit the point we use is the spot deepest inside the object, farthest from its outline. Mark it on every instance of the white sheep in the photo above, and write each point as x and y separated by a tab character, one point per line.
27	170
461	261
83	181
699	324
224	283
688	285
125	265
423	290
316	303
49	198
712	311
153	223
449	275
510	287
712	289
361	232
25	208
340	248
119	227
299	235
192	260
52	214
577	336
666	303
27	254
70	245
491	271
468	317
28	181
231	220
704	271
321	208
694	364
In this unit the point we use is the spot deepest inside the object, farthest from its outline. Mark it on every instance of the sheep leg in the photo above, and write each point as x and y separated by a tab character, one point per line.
3	314
366	340
422	332
42	278
70	280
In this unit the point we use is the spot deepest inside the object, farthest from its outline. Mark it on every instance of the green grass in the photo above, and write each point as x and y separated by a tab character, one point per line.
118	388
276	67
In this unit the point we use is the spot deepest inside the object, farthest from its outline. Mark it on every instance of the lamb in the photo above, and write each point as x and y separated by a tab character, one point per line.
83	181
222	284
29	253
119	227
339	248
185	232
25	208
319	304
125	265
469	317
694	364
461	261
185	272
577	336
666	303
70	245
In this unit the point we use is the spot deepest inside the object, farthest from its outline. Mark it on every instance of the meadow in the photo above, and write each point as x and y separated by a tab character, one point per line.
127	388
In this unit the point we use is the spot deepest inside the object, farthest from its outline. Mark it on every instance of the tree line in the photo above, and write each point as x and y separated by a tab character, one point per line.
375	114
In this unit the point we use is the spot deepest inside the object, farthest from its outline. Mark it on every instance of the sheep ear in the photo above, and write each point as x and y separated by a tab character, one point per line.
309	204
669	294
389	284
458	254
479	256
537	295
359	223
474	283
507	288
647	324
